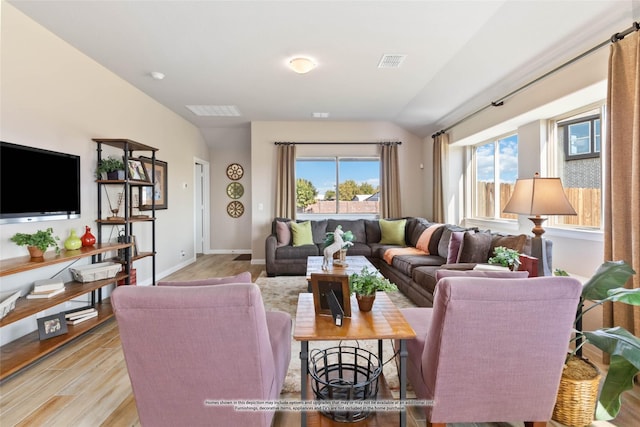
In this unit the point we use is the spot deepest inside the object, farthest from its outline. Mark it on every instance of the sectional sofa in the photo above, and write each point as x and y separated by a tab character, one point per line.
408	251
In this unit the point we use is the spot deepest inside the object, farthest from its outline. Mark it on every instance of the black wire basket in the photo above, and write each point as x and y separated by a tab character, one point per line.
345	373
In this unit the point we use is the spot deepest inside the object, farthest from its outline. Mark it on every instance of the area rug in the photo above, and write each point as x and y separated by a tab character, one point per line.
281	293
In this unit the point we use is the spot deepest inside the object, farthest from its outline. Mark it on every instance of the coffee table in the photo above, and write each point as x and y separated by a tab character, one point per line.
384	321
354	265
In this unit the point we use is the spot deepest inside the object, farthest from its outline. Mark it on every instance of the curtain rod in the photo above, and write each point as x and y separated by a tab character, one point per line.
338	143
500	102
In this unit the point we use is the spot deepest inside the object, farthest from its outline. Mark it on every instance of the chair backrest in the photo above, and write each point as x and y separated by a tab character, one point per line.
498	274
185	346
495	348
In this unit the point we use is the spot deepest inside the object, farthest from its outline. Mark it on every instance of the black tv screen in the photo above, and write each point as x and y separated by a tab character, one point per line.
37	184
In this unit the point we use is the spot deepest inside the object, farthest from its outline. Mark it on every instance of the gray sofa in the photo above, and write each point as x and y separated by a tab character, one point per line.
413	274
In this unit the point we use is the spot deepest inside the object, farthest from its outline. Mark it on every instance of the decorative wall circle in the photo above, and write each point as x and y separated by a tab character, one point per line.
235	209
235	171
235	190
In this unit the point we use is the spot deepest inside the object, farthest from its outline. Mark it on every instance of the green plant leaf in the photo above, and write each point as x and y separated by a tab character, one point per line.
610	275
629	296
624	349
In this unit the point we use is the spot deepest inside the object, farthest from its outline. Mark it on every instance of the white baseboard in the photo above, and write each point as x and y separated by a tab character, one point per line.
172	270
258	262
228	251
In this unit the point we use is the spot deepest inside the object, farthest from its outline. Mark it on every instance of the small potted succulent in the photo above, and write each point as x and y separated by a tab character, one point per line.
112	168
38	242
505	257
365	285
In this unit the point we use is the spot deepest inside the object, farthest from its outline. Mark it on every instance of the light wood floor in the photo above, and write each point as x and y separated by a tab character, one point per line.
86	382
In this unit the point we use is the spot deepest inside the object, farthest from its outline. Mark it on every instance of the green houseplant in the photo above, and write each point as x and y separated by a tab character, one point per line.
112	166
40	240
607	284
505	257
365	285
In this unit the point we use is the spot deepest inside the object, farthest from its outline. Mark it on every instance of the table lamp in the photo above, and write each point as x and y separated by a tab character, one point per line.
539	196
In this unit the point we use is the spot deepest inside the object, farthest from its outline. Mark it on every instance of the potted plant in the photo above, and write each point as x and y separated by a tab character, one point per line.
365	285
38	242
505	257
607	284
112	166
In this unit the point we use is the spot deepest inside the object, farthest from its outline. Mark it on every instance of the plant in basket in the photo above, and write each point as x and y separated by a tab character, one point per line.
607	284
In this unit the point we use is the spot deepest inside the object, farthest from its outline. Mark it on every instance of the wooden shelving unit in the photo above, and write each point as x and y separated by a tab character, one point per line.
28	348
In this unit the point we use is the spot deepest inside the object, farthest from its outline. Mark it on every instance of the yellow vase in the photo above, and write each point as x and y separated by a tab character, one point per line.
73	242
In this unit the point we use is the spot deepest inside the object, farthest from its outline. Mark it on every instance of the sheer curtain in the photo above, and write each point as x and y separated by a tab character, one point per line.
622	172
286	181
440	158
390	182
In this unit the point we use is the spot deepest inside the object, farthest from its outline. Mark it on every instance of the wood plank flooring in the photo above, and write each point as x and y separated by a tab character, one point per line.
86	382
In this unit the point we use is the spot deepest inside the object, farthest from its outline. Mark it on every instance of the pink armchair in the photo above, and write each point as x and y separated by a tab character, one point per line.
492	350
185	346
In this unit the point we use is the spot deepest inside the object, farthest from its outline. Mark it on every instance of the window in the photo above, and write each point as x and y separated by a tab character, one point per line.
337	185
496	170
575	158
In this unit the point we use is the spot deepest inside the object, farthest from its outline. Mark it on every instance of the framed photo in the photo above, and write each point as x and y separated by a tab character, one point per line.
158	176
136	171
322	284
52	326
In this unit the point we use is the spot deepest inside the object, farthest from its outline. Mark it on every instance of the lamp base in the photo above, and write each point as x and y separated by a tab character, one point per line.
537	231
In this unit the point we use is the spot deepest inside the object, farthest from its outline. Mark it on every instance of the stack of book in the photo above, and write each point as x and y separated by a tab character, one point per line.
46	288
80	315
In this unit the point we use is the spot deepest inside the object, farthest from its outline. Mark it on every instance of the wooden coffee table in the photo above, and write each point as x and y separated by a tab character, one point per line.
384	321
355	265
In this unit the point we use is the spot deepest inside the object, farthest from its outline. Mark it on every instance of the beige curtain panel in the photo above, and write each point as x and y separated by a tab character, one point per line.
622	172
390	182
286	181
440	158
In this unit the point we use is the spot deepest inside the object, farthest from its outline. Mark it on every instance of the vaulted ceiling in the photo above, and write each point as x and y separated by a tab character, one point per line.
459	54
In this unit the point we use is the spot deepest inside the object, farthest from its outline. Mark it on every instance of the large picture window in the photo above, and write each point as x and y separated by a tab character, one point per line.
575	158
496	170
337	185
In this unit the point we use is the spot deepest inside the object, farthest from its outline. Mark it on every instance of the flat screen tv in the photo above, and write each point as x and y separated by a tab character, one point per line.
37	184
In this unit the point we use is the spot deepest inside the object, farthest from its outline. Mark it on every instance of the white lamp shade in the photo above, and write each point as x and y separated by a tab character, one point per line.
302	65
539	196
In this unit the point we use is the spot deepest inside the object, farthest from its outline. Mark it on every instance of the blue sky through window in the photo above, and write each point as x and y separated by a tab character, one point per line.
508	156
322	172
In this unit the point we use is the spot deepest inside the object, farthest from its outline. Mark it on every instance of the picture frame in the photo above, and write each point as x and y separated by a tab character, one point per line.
136	170
322	284
52	326
158	176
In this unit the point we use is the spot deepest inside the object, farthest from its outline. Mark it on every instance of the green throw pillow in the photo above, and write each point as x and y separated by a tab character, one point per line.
301	233
392	232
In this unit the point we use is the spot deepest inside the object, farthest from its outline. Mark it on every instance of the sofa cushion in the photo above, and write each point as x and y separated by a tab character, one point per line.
319	231
358	248
475	247
511	242
455	243
393	232
297	252
443	244
283	233
406	263
372	227
424	240
356	226
425	277
301	232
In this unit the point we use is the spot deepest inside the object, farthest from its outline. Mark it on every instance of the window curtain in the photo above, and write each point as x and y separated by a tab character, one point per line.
622	172
390	185
440	159
286	181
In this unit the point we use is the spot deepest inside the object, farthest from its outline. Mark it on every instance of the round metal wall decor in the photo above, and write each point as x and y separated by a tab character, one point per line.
235	190
235	209
235	171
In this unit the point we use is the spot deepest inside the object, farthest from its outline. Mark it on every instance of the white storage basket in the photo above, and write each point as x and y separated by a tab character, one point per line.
98	271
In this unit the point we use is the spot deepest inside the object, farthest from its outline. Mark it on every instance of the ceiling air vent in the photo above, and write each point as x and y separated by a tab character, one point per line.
391	61
214	110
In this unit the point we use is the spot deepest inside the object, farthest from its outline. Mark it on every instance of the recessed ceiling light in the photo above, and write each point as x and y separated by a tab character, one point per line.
302	65
320	115
391	60
157	75
214	110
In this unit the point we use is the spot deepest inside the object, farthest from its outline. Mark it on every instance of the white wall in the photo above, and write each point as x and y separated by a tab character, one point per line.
413	180
57	98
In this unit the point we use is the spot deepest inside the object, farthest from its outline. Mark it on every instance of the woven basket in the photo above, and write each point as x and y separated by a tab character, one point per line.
576	401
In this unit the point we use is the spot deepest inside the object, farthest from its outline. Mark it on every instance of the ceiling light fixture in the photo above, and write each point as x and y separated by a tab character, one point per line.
157	75
302	65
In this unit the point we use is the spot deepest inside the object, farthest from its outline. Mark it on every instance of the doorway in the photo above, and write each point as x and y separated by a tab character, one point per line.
201	208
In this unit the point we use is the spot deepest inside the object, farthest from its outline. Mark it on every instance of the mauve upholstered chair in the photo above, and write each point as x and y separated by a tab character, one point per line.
492	350
186	345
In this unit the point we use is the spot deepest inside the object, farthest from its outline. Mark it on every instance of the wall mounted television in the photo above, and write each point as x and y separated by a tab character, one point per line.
38	184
